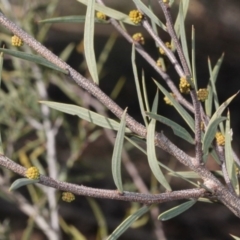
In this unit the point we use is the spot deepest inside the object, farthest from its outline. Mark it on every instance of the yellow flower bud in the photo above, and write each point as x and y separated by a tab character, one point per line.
138	37
17	41
220	139
68	197
167	100
32	173
202	94
101	16
184	86
168	45
135	16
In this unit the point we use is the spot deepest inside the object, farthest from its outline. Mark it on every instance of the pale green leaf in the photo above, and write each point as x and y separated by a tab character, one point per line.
139	94
177	129
213	78
127	223
85	114
110	12
33	58
173	212
117	154
22	182
151	154
208	136
185	115
99	216
183	34
235	237
65	19
89	41
194	59
211	132
177	22
70	19
145	91
230	165
208	101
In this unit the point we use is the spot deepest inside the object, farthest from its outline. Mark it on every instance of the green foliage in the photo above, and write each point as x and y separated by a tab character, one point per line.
29	129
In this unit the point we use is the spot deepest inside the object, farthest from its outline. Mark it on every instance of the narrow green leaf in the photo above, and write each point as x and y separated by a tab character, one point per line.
213	78
235	237
99	216
110	12
210	133
185	115
149	13
85	114
208	137
191	174
145	92
154	25
117	154
70	19
139	94
22	182
177	22
173	212
171	172
127	223
33	58
65	19
177	129
1	145
183	35
208	101
1	65
151	154
194	58
89	41
229	156
67	51
228	148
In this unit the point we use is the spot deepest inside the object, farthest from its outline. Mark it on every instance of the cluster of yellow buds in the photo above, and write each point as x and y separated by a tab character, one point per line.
166	1
68	197
184	86
168	45
32	173
101	16
220	138
159	63
135	16
202	126
17	41
202	94
138	37
167	100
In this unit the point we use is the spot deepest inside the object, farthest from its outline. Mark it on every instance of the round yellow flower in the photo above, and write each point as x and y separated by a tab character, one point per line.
68	197
184	86
101	16
202	94
17	41
135	16
32	173
220	139
138	37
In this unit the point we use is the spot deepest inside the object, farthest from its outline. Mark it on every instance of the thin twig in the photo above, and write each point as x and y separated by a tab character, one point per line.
102	193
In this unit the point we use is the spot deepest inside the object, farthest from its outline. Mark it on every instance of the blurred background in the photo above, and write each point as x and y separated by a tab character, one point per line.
84	151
